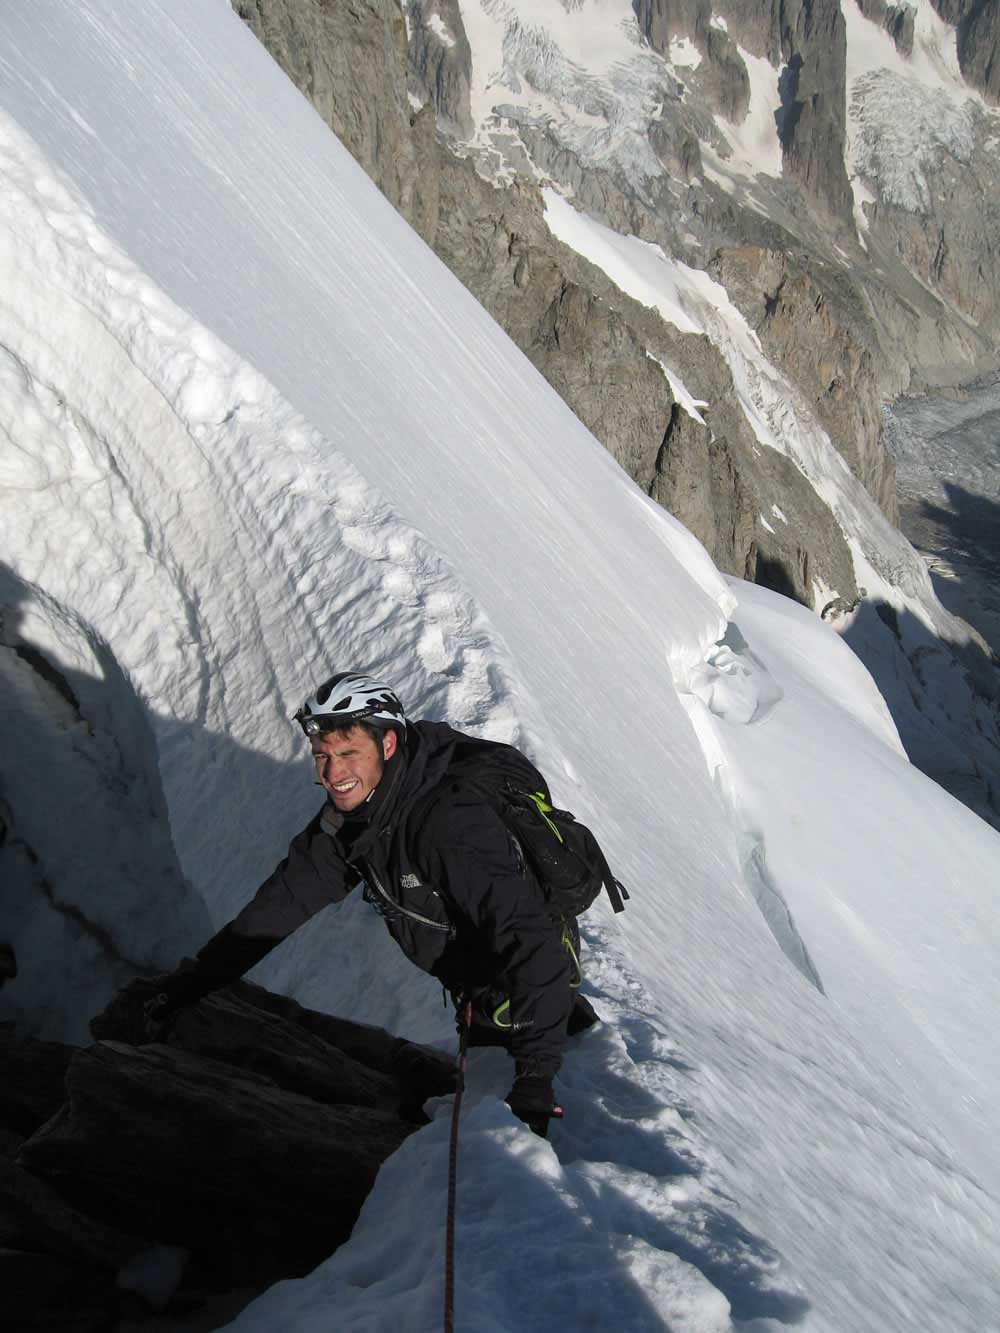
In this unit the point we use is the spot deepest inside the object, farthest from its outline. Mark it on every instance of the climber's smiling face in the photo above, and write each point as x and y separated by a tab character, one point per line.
350	764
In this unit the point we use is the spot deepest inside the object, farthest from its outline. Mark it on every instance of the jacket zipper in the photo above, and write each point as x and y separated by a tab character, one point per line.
398	907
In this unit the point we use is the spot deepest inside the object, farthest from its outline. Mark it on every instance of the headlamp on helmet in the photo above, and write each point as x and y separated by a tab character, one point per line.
347	698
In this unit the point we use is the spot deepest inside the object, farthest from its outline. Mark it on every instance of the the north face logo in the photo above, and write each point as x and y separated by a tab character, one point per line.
409	882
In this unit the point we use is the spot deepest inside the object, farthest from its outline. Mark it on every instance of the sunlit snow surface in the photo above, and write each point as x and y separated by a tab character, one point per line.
253	430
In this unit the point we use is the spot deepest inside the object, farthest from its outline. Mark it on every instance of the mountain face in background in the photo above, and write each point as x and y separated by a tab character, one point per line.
832	167
825	161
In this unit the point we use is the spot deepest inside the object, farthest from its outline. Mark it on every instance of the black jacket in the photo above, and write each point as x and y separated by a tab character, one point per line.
442	868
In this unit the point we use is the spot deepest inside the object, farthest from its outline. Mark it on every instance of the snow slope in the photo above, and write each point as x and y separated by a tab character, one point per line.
930	664
254	430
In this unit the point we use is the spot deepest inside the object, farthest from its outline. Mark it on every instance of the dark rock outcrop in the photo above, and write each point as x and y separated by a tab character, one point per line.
33	1081
978	41
724	79
808	37
237	1152
52	1295
813	128
185	1148
440	64
810	329
698	481
35	1216
350	61
662	20
979	48
8	959
897	20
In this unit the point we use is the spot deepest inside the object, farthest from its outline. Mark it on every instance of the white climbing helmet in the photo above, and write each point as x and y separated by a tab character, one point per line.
348	697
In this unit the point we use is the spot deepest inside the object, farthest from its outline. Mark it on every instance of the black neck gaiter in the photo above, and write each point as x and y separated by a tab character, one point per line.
373	813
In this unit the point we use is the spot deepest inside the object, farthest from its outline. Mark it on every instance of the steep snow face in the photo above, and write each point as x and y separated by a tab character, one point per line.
255	431
147	512
929	663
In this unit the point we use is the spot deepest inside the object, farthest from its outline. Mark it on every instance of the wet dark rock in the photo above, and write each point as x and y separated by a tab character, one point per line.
329	1059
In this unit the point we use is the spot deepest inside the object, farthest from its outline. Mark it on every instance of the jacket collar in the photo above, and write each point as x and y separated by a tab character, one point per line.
414	770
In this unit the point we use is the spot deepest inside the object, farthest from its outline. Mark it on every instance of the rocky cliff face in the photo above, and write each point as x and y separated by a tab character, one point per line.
808	38
897	20
977	24
120	1211
597	347
809	324
862	252
812	85
926	170
346	59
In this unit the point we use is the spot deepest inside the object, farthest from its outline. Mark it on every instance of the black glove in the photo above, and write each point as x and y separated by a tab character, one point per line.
137	1013
172	993
533	1101
157	1015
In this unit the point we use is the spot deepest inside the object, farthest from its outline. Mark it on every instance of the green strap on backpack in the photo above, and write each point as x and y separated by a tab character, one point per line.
562	854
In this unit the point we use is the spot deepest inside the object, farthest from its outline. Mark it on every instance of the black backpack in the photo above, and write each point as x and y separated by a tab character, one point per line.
562	854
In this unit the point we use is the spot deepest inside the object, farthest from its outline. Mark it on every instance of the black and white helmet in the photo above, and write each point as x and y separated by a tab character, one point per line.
350	697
